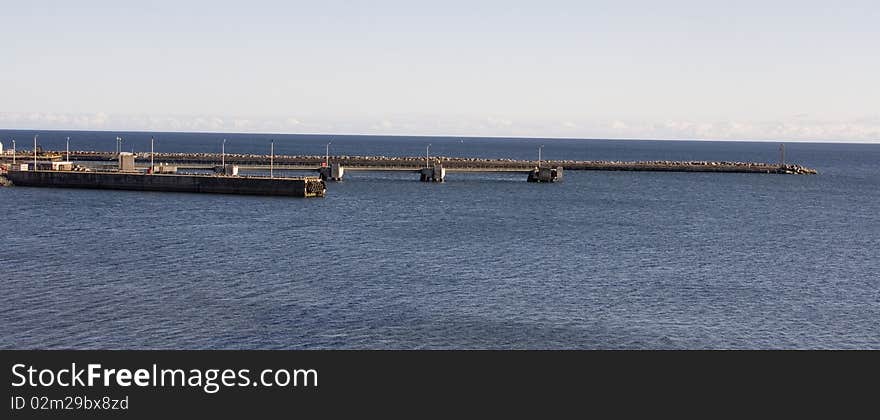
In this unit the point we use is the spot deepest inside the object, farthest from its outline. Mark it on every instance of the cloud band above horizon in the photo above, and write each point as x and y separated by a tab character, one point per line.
797	128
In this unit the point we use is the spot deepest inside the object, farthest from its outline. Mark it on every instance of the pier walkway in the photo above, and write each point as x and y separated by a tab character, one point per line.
434	168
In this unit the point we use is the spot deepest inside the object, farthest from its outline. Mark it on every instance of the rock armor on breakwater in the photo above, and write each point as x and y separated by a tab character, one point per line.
460	162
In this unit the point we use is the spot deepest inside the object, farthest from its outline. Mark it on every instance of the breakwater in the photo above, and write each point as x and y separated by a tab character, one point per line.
452	163
293	187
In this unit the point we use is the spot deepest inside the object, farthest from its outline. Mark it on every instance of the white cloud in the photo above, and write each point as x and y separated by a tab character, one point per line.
498	122
793	128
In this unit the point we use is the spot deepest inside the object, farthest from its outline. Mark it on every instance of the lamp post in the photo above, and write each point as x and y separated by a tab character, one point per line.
782	155
68	149
272	160
327	154
223	154
35	151
13	152
427	150
152	152
539	155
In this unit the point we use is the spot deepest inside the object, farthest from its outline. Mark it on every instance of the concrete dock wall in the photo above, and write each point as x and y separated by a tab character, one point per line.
294	187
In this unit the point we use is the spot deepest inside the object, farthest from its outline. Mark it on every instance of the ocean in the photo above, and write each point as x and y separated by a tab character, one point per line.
603	260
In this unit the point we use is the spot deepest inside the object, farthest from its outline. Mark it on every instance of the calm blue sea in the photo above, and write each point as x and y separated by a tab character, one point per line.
604	260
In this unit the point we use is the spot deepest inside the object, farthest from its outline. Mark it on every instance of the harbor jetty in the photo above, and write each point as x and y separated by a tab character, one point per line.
292	187
428	168
436	168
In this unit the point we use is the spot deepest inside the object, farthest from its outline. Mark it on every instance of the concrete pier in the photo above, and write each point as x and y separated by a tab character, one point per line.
545	175
334	172
449	164
436	173
292	187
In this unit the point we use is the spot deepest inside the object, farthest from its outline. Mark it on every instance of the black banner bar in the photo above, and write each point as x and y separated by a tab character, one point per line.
151	384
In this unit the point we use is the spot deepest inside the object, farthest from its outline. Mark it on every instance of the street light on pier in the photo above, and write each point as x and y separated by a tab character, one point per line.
35	151
427	151
272	160
539	155
119	141
327	154
223	154
13	152
68	149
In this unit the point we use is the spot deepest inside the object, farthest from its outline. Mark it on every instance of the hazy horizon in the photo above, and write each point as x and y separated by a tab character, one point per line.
5	139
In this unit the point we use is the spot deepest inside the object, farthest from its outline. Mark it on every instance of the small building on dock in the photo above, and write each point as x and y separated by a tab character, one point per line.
126	162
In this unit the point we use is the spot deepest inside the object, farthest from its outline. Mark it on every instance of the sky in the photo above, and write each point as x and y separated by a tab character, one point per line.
675	69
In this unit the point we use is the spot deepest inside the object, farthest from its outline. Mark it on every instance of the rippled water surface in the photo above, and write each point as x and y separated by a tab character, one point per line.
602	260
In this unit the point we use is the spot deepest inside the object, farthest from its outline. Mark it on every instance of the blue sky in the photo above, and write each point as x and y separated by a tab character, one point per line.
774	70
